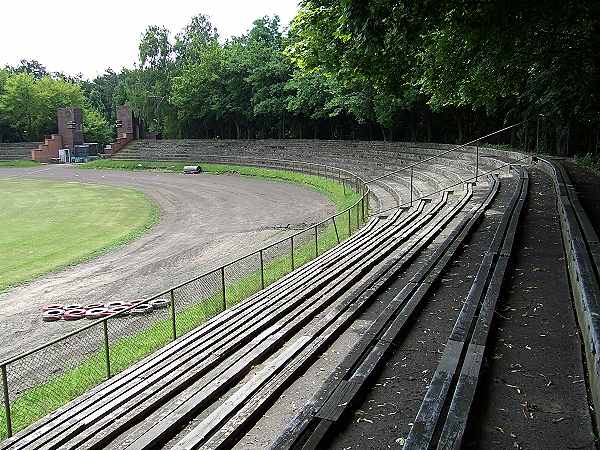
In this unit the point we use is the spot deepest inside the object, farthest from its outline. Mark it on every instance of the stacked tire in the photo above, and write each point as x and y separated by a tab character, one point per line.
56	312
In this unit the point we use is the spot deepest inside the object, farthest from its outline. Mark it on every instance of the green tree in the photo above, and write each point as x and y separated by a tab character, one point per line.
18	105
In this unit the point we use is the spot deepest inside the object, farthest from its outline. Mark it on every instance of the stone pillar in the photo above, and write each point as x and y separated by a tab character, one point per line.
126	124
70	126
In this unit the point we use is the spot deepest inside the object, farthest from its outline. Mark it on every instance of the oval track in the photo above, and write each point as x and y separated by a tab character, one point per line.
206	220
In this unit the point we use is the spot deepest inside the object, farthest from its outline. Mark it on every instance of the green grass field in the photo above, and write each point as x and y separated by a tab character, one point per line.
47	225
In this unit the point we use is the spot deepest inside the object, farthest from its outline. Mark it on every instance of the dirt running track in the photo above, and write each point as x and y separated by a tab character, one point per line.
206	220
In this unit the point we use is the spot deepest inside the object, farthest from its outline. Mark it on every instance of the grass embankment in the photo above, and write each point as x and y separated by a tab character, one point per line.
589	160
19	163
331	189
47	225
157	332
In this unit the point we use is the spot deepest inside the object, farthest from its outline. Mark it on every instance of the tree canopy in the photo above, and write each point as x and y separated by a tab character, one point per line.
345	69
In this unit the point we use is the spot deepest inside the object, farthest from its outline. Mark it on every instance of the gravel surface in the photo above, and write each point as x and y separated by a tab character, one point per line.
205	221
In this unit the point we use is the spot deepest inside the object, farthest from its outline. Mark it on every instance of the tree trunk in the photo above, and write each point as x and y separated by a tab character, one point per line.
413	127
459	126
238	133
562	140
428	124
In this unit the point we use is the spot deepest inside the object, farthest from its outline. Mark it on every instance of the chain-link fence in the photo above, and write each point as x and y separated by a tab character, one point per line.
42	380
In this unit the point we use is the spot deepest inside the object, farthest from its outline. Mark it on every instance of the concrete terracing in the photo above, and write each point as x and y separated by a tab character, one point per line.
367	159
16	150
355	348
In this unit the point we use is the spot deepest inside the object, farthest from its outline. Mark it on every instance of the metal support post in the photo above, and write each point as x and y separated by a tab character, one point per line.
316	243
223	288
262	270
106	347
349	224
537	136
336	231
477	161
362	209
292	251
9	430
411	187
173	320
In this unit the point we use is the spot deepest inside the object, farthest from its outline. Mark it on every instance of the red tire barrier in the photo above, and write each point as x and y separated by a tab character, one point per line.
119	309
140	310
74	306
159	303
95	313
94	306
117	303
52	306
52	315
74	314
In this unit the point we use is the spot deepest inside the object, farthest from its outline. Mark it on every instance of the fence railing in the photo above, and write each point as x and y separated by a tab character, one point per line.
39	381
479	144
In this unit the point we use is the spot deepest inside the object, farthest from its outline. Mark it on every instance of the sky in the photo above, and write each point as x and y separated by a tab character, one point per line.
90	36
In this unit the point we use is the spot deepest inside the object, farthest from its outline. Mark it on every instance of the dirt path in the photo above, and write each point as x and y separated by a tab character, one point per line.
206	220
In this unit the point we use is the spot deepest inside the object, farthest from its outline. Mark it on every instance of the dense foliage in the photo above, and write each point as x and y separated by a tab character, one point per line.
347	69
28	103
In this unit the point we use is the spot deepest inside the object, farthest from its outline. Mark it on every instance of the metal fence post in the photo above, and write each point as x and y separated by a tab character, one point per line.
316	243
477	161
336	231
262	270
292	251
357	216
9	430
173	314
362	208
537	136
411	186
223	287
349	224
106	347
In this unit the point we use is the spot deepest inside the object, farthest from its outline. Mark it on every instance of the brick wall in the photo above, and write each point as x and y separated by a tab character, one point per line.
70	126
48	151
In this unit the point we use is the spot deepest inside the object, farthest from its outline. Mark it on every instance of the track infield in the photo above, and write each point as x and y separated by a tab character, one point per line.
48	225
